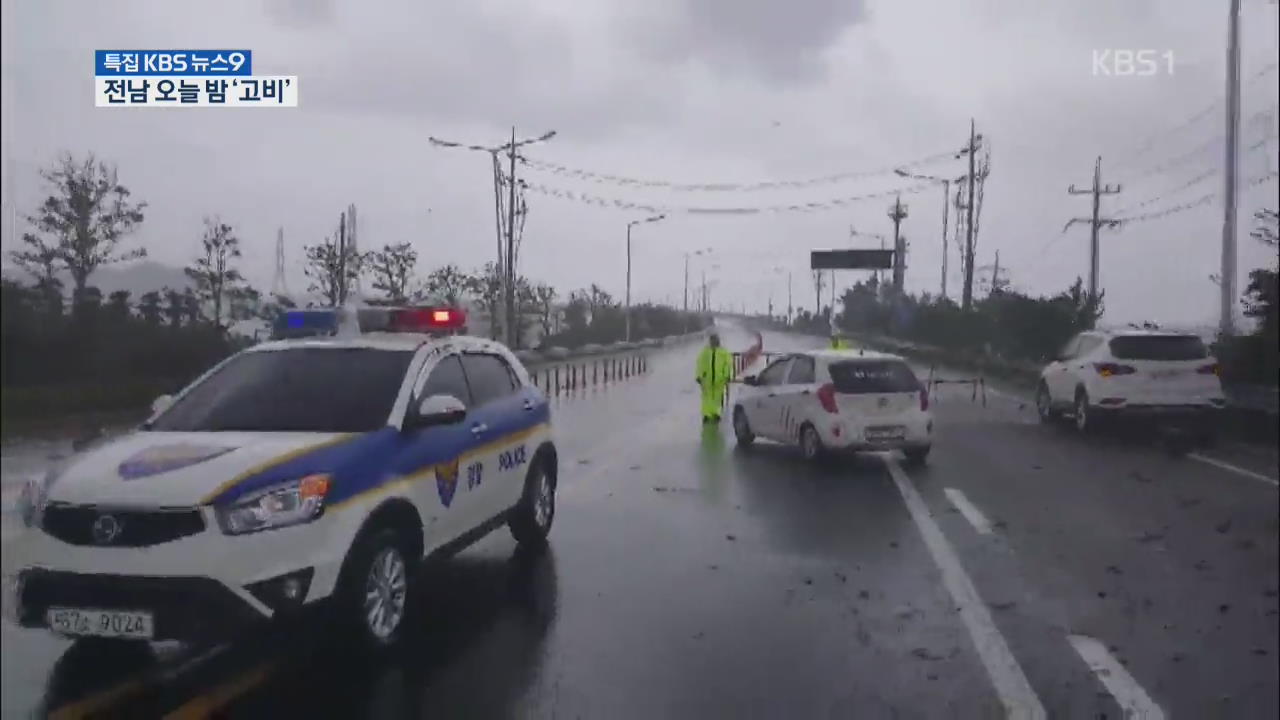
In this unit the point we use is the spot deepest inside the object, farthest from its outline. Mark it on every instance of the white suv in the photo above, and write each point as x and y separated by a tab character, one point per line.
294	472
836	399
1161	377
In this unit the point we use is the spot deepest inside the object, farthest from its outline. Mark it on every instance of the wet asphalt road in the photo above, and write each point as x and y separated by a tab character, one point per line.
687	578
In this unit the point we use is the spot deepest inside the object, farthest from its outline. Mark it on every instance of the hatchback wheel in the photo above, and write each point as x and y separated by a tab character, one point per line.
742	428
1044	405
1084	423
810	443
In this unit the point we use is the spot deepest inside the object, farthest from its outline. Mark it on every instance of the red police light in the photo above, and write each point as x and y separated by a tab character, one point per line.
427	320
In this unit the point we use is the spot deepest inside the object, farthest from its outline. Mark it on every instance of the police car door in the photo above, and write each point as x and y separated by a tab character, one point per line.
764	409
441	452
503	453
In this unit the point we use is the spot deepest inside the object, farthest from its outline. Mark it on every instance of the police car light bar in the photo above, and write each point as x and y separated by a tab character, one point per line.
427	320
322	322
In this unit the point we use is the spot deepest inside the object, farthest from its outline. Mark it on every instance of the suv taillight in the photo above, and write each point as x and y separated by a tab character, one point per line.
827	396
1208	369
1109	369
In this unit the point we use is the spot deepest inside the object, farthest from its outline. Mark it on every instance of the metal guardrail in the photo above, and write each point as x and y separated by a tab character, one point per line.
577	374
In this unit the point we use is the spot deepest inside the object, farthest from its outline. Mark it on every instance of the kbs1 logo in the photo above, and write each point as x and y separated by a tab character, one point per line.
1132	63
187	78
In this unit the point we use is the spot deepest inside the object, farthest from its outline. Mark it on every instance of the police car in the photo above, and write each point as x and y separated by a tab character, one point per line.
826	400
317	467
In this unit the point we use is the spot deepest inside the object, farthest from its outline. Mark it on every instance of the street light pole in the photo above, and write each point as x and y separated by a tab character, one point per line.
631	224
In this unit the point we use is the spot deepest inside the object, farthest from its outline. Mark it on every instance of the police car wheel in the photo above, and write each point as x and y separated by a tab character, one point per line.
532	517
377	590
810	443
742	428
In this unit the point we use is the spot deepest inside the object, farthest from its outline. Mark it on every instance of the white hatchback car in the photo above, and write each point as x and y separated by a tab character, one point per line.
1159	377
836	400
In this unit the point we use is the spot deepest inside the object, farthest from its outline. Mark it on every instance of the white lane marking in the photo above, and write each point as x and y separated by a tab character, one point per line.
1016	694
1232	468
1133	700
968	510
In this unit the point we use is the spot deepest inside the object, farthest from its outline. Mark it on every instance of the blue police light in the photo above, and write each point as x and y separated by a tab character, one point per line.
305	323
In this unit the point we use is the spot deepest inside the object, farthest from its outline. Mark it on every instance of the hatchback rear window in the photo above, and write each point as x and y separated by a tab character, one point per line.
856	377
1158	347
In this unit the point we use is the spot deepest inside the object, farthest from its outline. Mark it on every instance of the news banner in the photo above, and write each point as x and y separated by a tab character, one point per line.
187	78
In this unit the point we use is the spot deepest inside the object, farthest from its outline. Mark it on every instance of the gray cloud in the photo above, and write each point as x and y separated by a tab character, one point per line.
779	42
685	91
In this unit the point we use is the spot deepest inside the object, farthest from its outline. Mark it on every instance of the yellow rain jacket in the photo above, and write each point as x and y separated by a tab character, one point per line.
715	370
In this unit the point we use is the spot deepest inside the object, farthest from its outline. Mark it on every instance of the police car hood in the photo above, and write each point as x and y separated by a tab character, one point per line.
172	469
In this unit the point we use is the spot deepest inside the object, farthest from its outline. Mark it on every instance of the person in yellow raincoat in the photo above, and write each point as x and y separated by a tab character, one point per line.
838	343
715	370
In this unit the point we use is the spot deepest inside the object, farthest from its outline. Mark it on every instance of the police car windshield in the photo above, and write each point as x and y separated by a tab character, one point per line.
294	390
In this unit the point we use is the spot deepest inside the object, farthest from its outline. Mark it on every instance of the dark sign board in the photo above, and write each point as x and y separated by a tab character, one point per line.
851	259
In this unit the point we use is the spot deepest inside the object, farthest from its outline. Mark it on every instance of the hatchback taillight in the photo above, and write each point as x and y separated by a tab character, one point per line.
1211	369
827	396
1109	369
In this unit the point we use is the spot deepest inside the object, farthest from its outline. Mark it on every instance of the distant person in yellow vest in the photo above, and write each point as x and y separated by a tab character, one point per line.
838	343
715	370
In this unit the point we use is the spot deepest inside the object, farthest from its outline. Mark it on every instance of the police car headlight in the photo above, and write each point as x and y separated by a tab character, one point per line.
34	497
279	506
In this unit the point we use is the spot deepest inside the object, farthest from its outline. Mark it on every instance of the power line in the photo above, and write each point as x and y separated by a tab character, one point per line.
1172	191
1191	204
565	171
621	204
1151	140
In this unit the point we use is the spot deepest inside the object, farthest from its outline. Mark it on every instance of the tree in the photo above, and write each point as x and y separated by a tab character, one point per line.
243	303
86	216
446	284
173	308
118	304
485	285
392	268
191	307
332	269
42	261
544	297
212	273
1267	230
149	307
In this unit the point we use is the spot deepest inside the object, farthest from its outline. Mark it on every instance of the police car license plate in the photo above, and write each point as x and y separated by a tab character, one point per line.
132	624
882	434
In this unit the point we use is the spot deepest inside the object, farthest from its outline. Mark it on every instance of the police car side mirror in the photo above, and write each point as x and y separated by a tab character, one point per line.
161	404
437	410
751	380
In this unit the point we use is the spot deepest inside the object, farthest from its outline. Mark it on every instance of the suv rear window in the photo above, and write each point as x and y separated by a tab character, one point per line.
856	377
1158	347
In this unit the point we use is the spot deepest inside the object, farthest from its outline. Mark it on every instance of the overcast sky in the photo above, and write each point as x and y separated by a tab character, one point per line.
689	91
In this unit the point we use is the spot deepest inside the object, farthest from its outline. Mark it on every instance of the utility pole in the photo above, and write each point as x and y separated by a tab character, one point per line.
788	298
1095	222
1227	283
995	275
971	149
279	285
510	284
506	260
897	213
342	259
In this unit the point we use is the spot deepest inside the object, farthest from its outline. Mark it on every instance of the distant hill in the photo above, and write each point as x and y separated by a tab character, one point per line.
136	277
